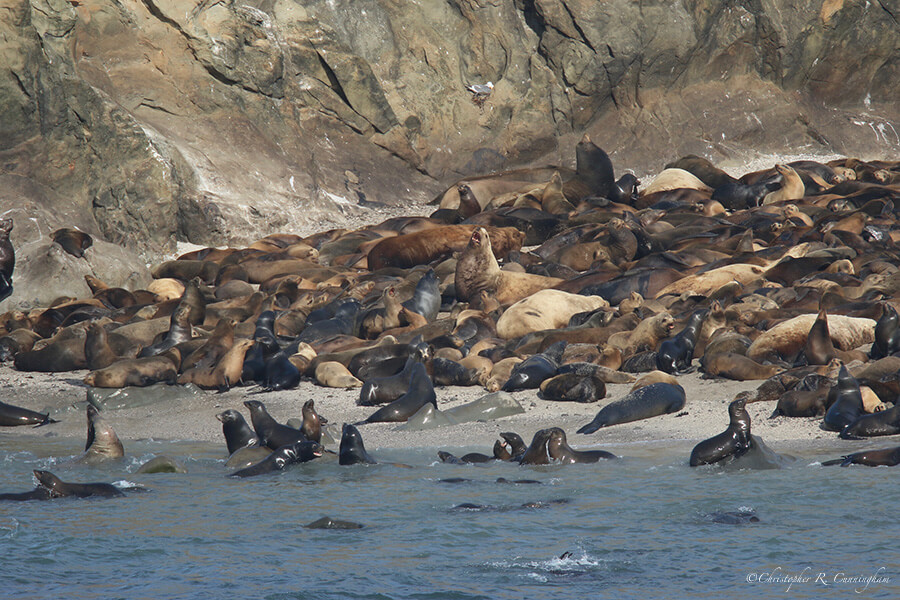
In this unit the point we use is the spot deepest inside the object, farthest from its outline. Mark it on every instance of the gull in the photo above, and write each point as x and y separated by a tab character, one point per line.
481	90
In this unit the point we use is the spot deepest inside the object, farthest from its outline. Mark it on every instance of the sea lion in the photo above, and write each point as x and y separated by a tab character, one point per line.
329	523
283	457
887	333
382	390
335	375
137	371
270	432
884	457
703	169
352	450
237	431
646	336
573	387
55	357
537	452
819	349
844	401
225	373
545	309
426	299
72	241
676	353
477	269
886	422
792	187
13	416
102	442
7	259
180	329
738	367
419	393
646	402
97	351
559	450
531	372
312	422
61	489
732	442
674	179
785	340
511	446
424	247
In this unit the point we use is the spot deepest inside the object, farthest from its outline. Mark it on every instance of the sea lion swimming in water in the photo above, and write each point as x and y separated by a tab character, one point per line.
283	457
352	450
270	432
61	489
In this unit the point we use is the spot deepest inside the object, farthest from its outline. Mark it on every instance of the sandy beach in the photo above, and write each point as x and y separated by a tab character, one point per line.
193	418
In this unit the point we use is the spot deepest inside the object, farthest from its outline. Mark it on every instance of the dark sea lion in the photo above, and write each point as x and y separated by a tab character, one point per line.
513	446
703	170
643	403
55	357
102	443
887	333
279	373
270	432
329	523
283	457
180	330
382	390
7	259
534	370
237	431
573	387
820	350
426	299
61	489
16	341
419	393
732	442
537	452
594	174
465	459
845	402
676	353
72	241
885	457
13	416
352	450
38	493
559	450
886	422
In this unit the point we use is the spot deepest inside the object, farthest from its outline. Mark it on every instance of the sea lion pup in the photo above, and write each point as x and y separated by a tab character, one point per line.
139	372
845	404
792	187
884	457
731	443
283	457
7	259
544	309
270	432
553	200
237	431
352	450
559	451
73	241
572	387
102	442
676	353
312	422
649	401
61	489
423	247
477	269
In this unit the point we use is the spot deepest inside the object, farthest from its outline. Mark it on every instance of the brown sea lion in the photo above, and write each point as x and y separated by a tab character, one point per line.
737	367
102	442
786	339
222	375
72	241
410	250
137	371
477	270
334	374
7	259
646	336
792	187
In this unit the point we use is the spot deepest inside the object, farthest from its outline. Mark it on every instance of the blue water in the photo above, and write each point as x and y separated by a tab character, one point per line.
635	528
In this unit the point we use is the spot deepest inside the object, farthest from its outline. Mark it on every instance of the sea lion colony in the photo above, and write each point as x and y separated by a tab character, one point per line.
528	277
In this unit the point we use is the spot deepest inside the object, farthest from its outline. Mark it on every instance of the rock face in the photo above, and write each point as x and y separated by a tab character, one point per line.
147	121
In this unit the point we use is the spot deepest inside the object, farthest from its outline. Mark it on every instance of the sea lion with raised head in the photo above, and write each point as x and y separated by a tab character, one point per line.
731	443
845	404
7	259
237	431
270	432
559	450
676	353
352	450
102	442
419	393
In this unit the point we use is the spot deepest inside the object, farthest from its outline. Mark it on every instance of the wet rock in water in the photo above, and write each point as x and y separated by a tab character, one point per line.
246	457
162	464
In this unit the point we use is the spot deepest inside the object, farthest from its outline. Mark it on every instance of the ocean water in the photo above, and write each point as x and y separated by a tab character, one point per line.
644	526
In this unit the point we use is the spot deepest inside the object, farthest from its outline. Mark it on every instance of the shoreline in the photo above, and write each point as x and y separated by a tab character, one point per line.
193	419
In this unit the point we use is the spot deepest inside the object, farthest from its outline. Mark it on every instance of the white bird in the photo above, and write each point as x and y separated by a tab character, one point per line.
482	90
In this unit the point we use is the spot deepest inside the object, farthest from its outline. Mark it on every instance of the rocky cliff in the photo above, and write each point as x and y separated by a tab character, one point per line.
147	121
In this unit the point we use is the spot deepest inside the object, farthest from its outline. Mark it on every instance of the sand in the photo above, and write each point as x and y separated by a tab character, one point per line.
194	419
